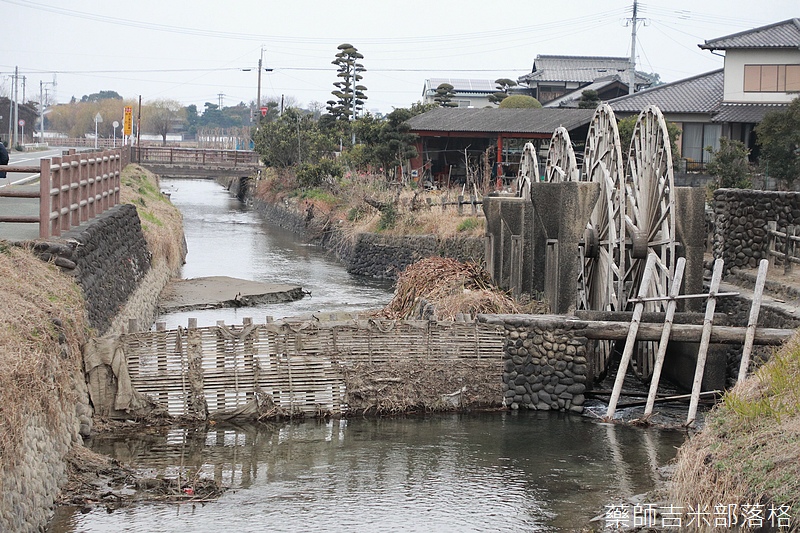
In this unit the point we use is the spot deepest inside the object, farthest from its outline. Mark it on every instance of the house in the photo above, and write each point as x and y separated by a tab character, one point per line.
554	76
761	73
468	93
690	103
451	137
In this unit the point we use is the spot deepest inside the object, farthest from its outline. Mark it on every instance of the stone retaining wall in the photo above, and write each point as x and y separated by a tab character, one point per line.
741	217
108	258
545	364
369	254
110	261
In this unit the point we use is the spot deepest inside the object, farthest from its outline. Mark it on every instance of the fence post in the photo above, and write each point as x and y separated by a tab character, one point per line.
44	199
460	204
772	227
220	369
788	250
473	201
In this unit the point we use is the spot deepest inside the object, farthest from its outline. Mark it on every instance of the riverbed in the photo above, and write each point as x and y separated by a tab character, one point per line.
496	471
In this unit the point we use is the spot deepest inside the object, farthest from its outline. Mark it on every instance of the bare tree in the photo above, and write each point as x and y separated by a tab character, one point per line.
163	116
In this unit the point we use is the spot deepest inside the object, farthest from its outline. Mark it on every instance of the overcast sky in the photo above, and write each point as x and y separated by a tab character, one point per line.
194	50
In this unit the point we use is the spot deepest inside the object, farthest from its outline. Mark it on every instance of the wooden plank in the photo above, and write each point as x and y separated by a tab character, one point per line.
675	290
716	278
752	321
630	343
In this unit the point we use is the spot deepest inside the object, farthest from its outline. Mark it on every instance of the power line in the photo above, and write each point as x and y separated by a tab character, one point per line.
491	34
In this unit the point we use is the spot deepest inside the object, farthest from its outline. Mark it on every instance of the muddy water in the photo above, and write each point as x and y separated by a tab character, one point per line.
480	472
537	471
225	238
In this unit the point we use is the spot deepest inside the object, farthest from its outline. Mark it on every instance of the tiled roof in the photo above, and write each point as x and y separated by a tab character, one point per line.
571	98
748	113
542	121
698	94
462	85
583	69
784	34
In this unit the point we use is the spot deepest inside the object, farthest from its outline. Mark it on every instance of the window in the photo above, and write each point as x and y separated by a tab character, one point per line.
771	78
695	139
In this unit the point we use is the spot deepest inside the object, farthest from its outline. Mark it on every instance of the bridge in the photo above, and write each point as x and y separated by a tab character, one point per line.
196	163
64	191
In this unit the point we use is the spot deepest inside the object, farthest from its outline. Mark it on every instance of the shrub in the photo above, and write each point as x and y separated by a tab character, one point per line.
520	101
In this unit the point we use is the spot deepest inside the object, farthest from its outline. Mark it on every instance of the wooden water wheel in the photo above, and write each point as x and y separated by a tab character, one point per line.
600	284
649	221
528	170
561	164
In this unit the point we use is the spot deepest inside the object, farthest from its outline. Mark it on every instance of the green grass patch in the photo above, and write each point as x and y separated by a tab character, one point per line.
468	224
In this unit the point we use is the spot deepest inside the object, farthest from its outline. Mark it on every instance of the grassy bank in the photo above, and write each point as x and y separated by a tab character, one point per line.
748	454
161	221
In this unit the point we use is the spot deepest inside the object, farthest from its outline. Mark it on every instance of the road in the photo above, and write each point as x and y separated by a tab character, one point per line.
22	206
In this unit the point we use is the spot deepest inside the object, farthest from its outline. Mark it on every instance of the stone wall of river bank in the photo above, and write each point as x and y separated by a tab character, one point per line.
365	254
115	268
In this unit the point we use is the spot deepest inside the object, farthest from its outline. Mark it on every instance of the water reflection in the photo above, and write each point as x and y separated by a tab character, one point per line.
479	472
225	238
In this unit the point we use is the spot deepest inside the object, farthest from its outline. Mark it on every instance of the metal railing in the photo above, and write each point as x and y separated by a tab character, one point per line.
73	189
195	156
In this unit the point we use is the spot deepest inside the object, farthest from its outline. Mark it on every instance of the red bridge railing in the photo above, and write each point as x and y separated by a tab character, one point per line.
73	189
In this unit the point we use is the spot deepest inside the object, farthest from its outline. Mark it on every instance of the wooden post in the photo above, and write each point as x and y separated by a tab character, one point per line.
630	342
133	325
675	290
788	250
249	360
716	278
755	307
772	227
220	364
45	199
460	204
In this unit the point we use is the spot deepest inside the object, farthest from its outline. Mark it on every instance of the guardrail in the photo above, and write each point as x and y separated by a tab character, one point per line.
73	189
195	156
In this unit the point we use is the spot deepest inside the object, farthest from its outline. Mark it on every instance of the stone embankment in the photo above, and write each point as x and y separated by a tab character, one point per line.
115	269
545	363
365	254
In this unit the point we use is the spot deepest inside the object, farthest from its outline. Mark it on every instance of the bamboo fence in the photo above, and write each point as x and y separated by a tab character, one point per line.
300	368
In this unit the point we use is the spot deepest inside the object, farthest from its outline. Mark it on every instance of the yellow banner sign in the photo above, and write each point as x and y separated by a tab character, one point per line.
127	123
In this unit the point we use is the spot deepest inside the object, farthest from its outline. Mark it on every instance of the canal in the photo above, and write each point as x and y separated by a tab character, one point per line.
500	471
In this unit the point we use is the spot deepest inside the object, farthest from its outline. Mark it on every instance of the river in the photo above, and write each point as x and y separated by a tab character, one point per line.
500	471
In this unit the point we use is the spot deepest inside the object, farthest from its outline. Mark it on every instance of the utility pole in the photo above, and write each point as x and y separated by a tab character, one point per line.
258	96
634	21
15	140
43	104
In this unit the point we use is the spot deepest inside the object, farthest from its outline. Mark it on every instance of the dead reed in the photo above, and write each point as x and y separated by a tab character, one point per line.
748	453
44	325
451	287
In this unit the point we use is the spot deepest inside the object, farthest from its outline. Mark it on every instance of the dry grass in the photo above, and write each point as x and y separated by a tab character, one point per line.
44	325
451	287
749	451
161	221
344	205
